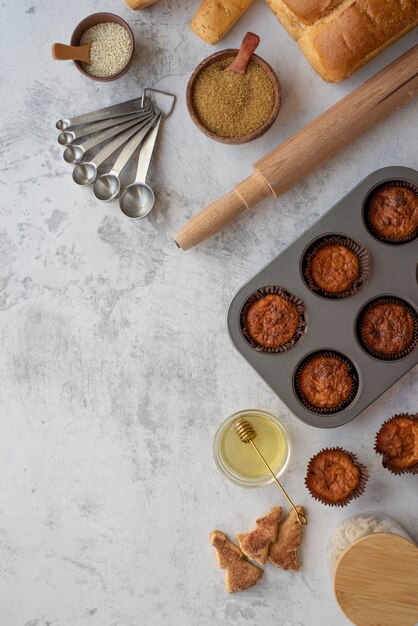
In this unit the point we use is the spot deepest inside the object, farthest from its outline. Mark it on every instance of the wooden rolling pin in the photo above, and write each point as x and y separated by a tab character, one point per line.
299	155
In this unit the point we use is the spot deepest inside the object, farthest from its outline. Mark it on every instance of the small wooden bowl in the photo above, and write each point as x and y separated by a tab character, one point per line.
219	56
93	20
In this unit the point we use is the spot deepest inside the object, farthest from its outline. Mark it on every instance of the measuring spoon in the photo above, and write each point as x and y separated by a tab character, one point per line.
138	198
66	137
107	186
85	173
116	110
75	152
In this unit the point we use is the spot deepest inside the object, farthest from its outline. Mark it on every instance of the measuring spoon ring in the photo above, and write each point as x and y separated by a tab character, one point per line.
116	110
107	186
85	173
75	152
138	198
66	137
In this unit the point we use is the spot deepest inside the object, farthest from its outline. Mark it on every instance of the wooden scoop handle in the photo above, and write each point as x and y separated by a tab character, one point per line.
62	52
248	47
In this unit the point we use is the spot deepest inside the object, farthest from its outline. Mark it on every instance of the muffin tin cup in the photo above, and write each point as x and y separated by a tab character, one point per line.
324	410
286	295
413	470
331	323
356	493
339	240
379	355
393	183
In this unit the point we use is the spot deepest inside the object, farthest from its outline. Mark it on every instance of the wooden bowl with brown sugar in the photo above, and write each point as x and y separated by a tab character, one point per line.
192	104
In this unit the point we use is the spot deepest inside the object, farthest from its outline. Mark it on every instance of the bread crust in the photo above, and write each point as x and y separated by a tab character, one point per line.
339	36
139	4
214	18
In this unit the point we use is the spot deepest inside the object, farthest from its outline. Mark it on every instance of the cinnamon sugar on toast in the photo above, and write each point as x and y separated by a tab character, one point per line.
240	574
284	551
255	544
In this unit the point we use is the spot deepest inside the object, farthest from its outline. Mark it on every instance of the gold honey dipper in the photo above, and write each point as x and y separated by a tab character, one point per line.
247	434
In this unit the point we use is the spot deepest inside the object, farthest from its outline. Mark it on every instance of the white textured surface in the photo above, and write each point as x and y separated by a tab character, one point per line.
116	368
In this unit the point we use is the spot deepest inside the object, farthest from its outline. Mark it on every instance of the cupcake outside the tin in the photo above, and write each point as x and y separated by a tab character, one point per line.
335	477
392	212
326	382
397	442
336	266
388	328
272	319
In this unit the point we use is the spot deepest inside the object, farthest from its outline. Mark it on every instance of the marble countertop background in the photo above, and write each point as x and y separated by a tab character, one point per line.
115	364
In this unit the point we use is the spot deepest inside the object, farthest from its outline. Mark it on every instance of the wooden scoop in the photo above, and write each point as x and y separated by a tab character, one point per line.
62	52
247	48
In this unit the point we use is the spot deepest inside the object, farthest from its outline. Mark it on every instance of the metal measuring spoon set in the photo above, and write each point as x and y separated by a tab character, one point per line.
127	126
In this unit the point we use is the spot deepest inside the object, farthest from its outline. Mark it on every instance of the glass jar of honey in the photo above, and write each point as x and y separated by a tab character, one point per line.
239	461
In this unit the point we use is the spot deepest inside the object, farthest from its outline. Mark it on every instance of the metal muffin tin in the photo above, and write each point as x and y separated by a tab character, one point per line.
331	324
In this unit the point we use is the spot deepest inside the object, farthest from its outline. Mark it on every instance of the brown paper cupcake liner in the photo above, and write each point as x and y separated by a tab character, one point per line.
379	355
391	183
287	295
398	471
356	493
361	253
323	410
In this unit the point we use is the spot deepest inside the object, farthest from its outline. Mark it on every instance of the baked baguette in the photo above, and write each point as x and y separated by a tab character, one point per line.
214	18
339	36
139	4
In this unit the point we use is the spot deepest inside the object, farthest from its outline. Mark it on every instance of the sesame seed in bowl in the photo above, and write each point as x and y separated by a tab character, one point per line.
112	46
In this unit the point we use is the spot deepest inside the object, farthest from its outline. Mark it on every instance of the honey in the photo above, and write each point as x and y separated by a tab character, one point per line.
239	461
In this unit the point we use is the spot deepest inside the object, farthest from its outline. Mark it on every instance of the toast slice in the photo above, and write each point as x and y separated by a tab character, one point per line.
255	544
240	574
283	552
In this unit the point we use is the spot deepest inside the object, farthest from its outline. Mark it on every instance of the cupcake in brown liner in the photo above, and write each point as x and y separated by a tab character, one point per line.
326	382
388	328
335	267
391	212
397	442
272	319
335	477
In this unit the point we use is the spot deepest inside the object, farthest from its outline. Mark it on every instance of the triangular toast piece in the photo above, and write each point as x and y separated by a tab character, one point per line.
240	574
284	551
255	544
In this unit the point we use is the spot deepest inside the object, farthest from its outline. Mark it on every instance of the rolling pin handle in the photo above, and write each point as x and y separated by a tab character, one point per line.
222	211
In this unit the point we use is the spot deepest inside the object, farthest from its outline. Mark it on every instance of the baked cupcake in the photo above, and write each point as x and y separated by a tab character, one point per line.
335	477
397	442
272	320
325	382
388	328
334	268
392	213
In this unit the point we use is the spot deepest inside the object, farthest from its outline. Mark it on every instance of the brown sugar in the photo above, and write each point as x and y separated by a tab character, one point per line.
229	104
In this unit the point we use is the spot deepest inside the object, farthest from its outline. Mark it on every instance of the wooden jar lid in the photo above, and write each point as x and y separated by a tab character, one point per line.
376	581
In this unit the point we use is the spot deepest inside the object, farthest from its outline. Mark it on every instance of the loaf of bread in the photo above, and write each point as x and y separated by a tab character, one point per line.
214	18
339	36
139	4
